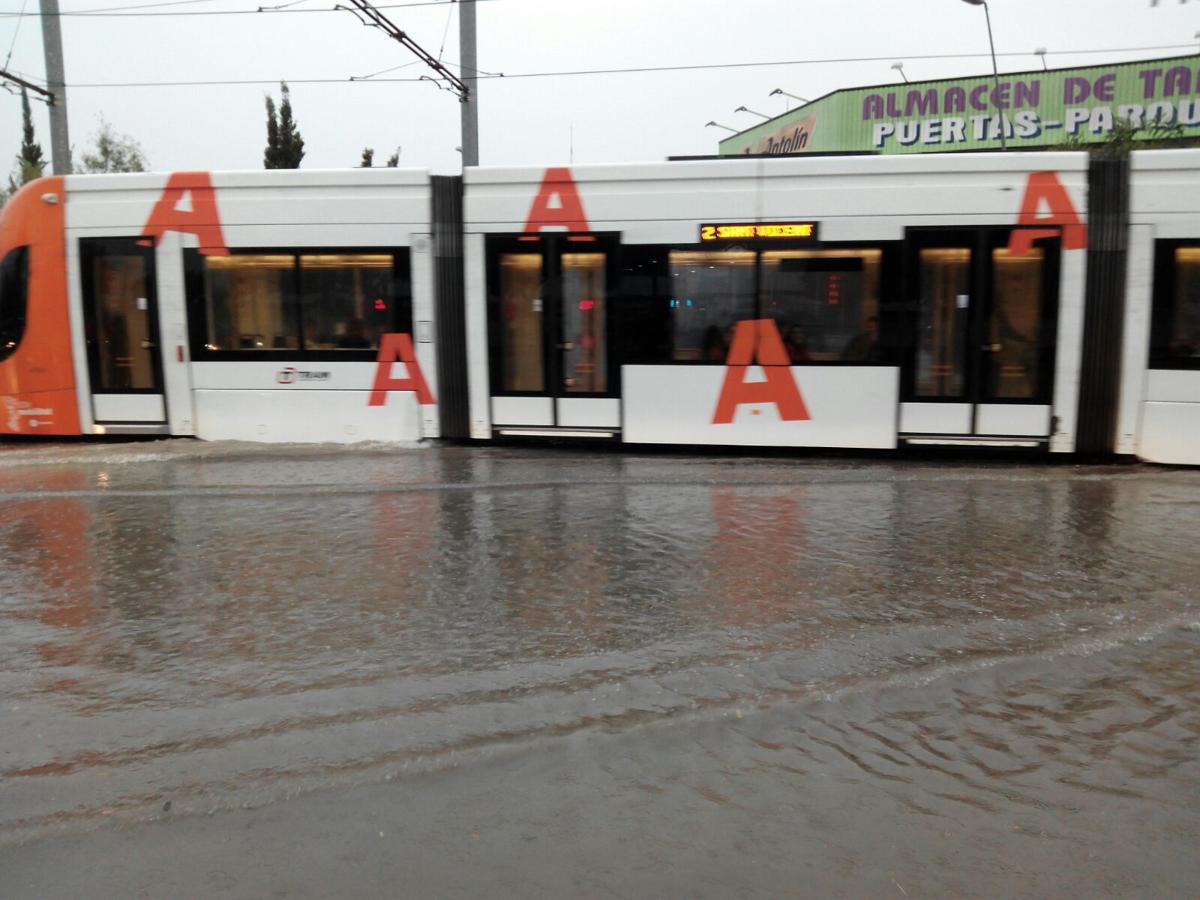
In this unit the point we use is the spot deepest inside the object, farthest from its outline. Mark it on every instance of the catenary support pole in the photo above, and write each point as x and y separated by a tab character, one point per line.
469	75
60	142
996	79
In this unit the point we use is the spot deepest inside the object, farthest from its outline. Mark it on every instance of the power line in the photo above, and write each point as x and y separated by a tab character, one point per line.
16	31
118	12
6	76
376	19
621	71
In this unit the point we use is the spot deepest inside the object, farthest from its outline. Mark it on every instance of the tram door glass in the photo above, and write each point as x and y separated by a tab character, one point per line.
945	279
984	322
120	309
550	315
1015	325
520	322
584	308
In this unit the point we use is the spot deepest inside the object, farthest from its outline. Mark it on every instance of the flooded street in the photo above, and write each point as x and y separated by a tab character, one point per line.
235	670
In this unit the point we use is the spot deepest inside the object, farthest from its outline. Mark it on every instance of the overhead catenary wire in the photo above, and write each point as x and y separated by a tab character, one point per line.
16	31
117	12
621	71
370	16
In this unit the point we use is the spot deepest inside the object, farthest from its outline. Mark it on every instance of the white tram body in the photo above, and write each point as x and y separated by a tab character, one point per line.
148	358
1159	413
999	299
887	210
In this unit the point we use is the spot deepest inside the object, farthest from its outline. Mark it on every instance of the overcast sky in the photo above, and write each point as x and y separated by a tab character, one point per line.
528	120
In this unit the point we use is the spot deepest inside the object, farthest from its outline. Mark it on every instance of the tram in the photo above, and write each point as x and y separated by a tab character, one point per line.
1040	300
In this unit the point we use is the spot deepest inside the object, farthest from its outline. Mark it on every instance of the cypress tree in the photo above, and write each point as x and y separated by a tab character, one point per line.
31	163
271	154
368	158
291	144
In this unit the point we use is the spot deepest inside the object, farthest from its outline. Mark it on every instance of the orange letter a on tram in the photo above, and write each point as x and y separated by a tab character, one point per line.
395	348
757	340
201	219
1044	188
557	204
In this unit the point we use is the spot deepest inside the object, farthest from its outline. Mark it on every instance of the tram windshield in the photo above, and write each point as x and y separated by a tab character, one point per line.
14	281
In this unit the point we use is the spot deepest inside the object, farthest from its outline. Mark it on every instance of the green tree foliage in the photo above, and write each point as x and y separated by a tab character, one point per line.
368	158
285	146
113	152
394	160
271	154
1126	137
30	162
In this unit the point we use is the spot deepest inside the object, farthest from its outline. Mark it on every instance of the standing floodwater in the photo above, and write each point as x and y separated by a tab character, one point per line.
755	676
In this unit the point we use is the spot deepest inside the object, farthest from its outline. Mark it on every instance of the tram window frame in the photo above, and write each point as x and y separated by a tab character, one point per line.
195	269
14	299
1163	306
653	262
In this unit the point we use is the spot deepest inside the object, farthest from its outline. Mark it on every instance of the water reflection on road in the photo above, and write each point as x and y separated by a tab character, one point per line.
220	625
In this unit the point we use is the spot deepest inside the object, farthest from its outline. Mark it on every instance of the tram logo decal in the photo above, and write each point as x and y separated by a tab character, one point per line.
757	341
290	375
394	348
1044	189
557	204
188	205
22	412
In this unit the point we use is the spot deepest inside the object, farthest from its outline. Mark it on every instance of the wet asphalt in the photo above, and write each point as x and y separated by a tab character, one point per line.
238	670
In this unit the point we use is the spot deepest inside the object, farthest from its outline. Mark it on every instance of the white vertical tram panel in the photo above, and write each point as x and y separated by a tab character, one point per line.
83	379
1135	352
477	340
424	328
172	335
1069	355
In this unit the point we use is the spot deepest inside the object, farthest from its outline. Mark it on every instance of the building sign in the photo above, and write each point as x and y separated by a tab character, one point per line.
791	231
1033	109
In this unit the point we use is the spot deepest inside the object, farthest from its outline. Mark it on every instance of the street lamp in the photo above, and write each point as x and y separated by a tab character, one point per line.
995	70
899	67
719	125
786	94
752	112
1040	52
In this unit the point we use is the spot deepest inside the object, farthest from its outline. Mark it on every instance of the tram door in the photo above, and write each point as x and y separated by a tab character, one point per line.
121	323
550	334
982	363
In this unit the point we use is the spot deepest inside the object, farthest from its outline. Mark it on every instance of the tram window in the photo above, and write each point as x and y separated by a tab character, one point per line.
711	291
279	302
825	302
584	312
116	290
247	302
349	300
14	295
643	323
1015	325
945	279
1176	342
521	311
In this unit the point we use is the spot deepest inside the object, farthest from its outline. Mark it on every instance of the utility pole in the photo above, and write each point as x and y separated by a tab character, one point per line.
60	143
470	77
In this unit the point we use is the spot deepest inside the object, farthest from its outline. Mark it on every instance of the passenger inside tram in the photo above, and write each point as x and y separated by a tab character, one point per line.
355	336
864	346
795	342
